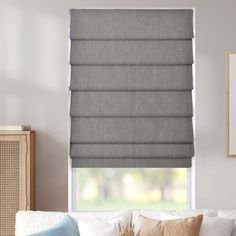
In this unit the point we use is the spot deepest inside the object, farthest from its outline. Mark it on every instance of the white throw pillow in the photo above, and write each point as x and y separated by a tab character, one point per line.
216	226
99	228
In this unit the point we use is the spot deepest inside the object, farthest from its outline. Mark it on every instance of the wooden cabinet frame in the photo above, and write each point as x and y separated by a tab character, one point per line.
24	182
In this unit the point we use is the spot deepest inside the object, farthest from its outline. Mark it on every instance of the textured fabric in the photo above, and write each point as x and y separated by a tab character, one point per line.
131	130
123	78
131	24
216	226
126	104
66	227
131	150
131	88
131	155
132	52
179	227
131	162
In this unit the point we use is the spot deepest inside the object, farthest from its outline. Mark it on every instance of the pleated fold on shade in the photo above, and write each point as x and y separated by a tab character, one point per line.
131	88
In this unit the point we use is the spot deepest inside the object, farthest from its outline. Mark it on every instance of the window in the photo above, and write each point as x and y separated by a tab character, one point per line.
131	106
125	188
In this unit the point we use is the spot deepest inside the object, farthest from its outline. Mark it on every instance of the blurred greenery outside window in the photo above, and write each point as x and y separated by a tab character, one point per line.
130	188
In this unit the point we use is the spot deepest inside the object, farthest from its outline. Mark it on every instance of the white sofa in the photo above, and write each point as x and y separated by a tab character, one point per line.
28	222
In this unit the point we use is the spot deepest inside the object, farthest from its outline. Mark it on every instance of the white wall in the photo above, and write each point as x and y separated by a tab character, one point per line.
34	80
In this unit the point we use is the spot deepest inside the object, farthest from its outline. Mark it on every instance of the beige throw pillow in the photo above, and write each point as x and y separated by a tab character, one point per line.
179	227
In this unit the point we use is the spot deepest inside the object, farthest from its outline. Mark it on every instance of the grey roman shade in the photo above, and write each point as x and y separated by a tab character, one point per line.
131	88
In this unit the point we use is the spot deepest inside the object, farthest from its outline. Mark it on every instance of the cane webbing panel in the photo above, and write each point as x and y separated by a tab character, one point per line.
131	88
9	185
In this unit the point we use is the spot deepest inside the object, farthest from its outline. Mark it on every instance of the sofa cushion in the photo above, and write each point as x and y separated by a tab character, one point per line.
229	214
178	227
155	214
29	222
66	227
147	213
216	226
100	228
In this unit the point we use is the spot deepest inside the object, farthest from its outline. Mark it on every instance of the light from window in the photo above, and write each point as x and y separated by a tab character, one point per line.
125	188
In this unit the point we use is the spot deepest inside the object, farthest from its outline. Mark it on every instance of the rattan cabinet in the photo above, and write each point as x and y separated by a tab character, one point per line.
17	176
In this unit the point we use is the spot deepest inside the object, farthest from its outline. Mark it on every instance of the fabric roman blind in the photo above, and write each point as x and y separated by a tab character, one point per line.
131	88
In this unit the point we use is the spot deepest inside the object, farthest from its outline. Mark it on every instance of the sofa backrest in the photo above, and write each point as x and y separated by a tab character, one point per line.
28	222
228	214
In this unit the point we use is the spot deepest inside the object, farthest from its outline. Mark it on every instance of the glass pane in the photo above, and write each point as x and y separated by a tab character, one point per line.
125	188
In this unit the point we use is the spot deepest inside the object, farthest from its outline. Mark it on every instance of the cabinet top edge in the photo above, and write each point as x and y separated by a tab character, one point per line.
5	132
